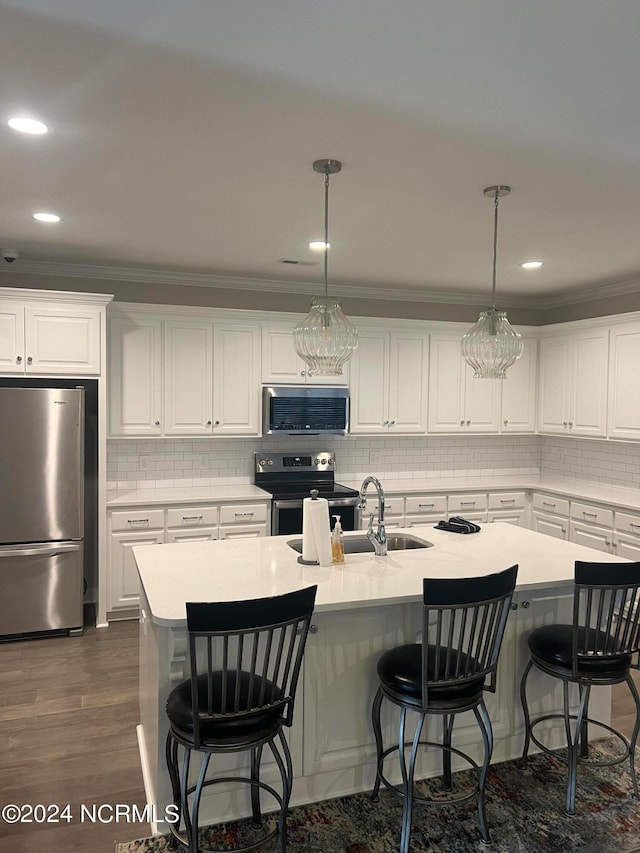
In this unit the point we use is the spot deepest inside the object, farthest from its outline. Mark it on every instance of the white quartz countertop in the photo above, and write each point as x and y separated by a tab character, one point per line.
193	494
577	489
230	570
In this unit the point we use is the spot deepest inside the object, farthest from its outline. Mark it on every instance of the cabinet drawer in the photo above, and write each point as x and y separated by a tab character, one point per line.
549	503
392	506
243	513
137	519
507	500
192	516
592	514
428	504
627	523
467	503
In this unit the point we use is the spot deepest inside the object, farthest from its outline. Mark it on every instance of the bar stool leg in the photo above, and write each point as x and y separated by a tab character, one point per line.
584	729
447	729
407	778
377	731
174	776
184	802
286	775
525	710
484	724
256	757
572	743
634	736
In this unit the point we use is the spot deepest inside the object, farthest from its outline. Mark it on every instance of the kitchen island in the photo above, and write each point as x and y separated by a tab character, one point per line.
363	607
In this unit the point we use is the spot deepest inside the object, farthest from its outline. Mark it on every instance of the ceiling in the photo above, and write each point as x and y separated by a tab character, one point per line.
182	137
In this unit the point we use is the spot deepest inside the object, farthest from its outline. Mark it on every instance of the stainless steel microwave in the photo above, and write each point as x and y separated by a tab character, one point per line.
305	410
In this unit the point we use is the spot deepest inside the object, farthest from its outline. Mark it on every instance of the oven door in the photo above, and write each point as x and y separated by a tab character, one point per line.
286	515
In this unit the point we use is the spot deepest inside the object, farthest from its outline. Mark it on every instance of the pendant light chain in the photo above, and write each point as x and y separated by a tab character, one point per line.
495	247
326	246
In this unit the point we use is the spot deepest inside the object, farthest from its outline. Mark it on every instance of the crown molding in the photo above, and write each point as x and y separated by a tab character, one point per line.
390	292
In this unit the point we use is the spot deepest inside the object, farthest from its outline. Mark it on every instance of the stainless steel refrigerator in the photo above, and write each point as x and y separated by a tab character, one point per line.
41	510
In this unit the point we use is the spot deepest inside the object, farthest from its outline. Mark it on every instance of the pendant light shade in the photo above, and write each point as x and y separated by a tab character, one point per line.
492	345
325	339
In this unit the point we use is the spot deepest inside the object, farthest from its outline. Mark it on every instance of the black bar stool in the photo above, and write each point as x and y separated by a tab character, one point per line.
596	649
463	623
245	663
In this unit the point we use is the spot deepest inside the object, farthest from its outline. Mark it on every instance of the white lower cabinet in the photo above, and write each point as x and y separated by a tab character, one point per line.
156	525
551	525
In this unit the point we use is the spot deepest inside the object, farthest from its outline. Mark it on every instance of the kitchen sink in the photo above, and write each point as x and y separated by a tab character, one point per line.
361	545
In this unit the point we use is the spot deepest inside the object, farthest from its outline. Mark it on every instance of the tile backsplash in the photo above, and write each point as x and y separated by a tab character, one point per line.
148	463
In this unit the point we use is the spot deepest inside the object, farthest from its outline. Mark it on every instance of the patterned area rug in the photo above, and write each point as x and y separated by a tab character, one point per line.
525	813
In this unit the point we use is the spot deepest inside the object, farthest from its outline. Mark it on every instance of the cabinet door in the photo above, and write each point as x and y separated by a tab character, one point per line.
588	410
370	384
188	378
551	525
408	383
243	531
446	385
280	363
519	391
340	681
481	403
626	546
198	534
11	338
517	517
554	385
124	581
598	538
236	380
62	340
624	400
135	377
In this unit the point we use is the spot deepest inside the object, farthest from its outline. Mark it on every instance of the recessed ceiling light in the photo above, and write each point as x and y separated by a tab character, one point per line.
27	125
531	265
319	245
46	217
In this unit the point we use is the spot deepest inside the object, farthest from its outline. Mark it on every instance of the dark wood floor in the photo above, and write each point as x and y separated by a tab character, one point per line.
68	714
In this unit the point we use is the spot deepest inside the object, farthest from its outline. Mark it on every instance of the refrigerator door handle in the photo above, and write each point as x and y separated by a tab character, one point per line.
38	550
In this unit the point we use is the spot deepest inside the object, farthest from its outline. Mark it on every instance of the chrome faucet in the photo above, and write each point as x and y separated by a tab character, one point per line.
377	538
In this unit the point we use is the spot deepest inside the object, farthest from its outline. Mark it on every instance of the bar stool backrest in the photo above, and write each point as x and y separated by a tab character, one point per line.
245	657
463	626
606	611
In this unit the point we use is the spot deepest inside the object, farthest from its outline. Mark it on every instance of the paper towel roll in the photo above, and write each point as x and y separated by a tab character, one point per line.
316	533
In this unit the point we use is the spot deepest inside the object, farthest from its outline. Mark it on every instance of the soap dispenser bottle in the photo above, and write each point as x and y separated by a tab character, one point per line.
337	542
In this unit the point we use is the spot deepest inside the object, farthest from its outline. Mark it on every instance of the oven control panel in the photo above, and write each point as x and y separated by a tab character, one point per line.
319	460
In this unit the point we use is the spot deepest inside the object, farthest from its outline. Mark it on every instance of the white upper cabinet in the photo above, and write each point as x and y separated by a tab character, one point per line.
624	399
49	339
135	376
389	373
573	383
457	401
188	378
282	366
183	377
236	380
519	391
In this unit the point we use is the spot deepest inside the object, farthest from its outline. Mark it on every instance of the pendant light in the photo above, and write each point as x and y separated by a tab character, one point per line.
492	345
325	339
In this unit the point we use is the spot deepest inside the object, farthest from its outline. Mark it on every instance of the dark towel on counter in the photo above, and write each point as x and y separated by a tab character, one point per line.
456	524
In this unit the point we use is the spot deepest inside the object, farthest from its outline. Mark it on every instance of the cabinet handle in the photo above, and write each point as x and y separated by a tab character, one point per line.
192	518
589	514
564	424
461	423
209	423
468	423
19	360
467	503
506	423
631	524
514	606
507	501
385	423
216	423
547	503
426	506
526	604
563	530
613	544
313	629
243	514
303	373
570	424
29	360
156	423
391	423
137	521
